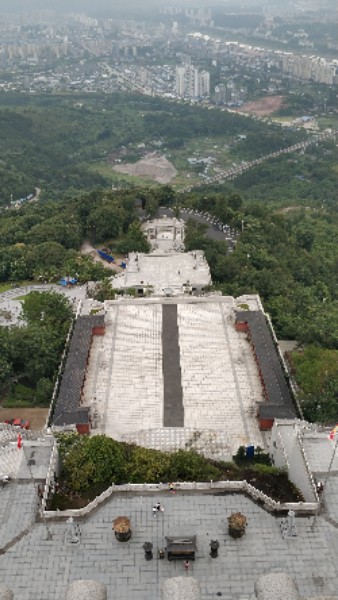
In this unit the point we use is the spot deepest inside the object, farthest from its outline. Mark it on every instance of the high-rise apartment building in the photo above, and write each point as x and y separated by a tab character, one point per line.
191	82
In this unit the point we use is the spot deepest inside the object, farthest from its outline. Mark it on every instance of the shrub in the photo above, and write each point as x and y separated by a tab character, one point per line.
96	461
147	466
19	396
240	456
261	457
190	466
266	469
44	391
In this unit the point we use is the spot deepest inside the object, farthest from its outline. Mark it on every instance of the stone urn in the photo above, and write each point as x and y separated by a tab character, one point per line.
121	527
237	524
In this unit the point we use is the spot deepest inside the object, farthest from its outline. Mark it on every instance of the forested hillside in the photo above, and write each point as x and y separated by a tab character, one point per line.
286	211
289	257
66	143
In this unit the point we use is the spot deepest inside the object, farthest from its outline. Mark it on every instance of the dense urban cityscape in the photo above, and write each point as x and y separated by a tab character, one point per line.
166	58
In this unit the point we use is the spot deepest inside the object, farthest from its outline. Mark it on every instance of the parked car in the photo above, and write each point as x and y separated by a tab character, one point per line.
23	423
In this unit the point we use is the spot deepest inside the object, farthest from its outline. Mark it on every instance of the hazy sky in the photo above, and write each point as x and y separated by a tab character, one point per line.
92	6
116	7
82	5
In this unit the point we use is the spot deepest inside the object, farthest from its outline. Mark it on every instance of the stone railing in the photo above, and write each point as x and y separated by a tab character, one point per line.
52	468
282	447
307	465
309	508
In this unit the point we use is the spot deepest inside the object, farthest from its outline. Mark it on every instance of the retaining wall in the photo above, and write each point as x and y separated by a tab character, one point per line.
308	508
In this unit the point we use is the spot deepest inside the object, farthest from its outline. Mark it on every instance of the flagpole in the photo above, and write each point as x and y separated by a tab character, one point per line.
321	498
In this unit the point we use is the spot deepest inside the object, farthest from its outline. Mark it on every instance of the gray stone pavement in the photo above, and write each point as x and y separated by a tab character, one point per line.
40	569
18	506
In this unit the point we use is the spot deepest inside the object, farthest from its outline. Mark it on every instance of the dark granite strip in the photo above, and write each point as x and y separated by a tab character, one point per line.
173	411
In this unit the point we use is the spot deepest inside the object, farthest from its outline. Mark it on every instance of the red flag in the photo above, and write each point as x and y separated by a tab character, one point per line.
20	441
333	432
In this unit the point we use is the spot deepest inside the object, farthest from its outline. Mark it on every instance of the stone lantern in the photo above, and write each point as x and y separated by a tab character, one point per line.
214	545
148	550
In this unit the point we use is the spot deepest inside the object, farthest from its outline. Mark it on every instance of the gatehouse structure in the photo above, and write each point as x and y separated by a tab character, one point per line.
165	234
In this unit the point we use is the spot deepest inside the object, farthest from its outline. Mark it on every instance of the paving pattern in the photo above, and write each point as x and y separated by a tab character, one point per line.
125	374
212	443
217	376
40	569
161	272
18	506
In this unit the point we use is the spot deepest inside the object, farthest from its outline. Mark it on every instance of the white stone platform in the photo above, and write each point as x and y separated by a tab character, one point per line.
157	272
124	379
219	376
212	443
221	388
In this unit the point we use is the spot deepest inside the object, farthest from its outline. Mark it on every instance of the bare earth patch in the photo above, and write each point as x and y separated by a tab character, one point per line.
89	250
153	165
36	416
264	106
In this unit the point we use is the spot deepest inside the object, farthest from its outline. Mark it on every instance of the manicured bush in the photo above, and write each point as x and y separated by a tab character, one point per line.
190	466
144	465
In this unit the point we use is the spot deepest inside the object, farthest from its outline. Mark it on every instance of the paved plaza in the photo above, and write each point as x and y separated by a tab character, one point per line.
36	568
171	274
125	380
10	301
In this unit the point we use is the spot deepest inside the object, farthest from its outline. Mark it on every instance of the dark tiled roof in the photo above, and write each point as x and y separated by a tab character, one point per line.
279	401
67	403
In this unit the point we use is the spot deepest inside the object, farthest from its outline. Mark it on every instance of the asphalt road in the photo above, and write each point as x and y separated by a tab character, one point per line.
213	231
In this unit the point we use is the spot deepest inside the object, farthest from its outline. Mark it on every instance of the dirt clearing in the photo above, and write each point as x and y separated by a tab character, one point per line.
263	107
36	416
88	249
153	165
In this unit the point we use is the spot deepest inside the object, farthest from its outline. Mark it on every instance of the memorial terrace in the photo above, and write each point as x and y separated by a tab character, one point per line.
173	373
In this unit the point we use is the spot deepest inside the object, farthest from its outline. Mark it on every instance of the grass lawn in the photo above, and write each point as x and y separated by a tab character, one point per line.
9	285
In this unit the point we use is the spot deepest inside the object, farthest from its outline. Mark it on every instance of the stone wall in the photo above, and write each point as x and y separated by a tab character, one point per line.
308	508
287	451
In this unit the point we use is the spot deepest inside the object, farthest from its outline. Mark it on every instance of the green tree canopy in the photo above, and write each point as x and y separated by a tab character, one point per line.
96	461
